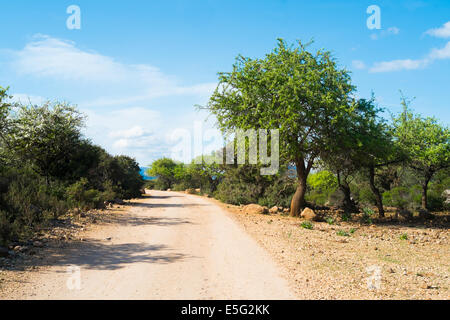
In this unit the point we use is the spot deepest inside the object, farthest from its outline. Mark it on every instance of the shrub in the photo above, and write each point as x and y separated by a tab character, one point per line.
342	233
307	225
82	197
399	197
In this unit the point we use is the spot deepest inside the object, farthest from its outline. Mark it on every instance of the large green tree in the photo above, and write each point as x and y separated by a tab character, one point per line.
302	94
46	137
427	144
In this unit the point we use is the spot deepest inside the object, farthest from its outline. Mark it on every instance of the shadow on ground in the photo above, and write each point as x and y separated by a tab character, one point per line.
102	255
165	205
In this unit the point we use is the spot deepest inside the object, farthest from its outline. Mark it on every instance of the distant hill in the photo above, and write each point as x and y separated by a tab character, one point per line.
146	177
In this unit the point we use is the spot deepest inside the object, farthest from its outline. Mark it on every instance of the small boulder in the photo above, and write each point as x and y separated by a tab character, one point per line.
446	196
198	190
38	244
255	209
286	210
169	190
273	210
308	214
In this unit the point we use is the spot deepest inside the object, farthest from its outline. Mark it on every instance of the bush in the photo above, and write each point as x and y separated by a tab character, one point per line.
321	186
307	225
365	196
80	196
399	197
279	193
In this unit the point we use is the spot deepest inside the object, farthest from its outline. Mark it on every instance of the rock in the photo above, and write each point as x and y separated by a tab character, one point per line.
198	190
4	252
38	244
286	210
255	209
308	214
20	248
446	196
169	190
273	210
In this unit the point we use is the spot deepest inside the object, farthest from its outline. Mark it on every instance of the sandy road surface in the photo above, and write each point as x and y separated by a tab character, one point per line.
170	246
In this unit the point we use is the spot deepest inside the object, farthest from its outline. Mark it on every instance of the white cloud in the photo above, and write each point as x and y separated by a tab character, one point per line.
397	65
442	32
61	60
144	133
443	53
358	64
410	64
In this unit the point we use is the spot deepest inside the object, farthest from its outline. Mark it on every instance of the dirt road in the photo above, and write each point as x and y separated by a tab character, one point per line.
169	246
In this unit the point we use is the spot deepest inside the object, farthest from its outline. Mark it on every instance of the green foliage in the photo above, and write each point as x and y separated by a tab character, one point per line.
241	185
403	236
307	225
167	172
342	233
321	186
45	136
304	95
427	146
399	197
47	168
367	214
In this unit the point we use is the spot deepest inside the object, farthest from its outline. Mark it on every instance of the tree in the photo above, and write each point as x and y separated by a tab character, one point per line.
128	177
375	147
427	144
304	95
206	172
164	169
46	136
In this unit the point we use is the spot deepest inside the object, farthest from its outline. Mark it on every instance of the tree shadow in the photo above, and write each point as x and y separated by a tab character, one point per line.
142	221
99	255
165	205
163	197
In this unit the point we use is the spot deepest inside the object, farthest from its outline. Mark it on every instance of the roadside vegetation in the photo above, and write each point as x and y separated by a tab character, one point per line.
336	151
47	168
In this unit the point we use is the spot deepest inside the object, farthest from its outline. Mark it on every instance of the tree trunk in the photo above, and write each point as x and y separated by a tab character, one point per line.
376	192
425	190
348	205
298	200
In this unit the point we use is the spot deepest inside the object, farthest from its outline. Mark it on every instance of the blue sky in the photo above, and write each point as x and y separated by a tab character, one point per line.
137	68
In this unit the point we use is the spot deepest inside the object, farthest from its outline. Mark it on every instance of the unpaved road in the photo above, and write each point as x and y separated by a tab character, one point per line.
169	246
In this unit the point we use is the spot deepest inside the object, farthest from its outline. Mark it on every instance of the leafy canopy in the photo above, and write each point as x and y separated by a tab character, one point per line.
302	94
